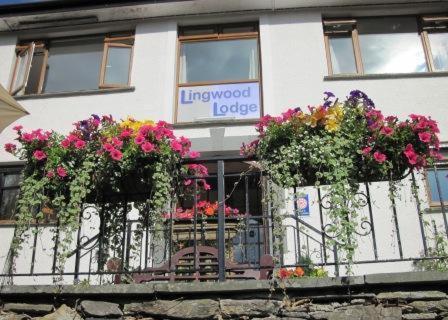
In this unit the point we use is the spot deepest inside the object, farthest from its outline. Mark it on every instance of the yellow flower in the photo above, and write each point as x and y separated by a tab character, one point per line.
135	125
334	117
332	125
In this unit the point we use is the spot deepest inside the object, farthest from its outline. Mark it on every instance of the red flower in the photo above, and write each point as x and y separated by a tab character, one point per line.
366	150
410	154
116	154
108	147
39	155
126	133
117	142
424	137
379	157
194	154
17	128
65	143
387	131
147	147
139	139
50	174
10	147
80	144
176	145
61	172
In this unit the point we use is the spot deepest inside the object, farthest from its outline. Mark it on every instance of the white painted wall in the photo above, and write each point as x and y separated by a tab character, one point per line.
293	66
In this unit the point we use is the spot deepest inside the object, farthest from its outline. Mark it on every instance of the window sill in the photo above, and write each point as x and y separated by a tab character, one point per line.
74	93
386	76
215	123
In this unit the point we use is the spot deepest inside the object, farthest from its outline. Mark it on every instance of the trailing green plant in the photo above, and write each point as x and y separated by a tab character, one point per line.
337	145
101	161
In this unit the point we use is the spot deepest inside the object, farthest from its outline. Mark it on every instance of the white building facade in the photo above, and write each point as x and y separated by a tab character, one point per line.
164	60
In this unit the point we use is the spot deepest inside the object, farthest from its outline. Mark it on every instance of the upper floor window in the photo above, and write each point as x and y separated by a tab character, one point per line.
386	45
437	182
72	64
218	73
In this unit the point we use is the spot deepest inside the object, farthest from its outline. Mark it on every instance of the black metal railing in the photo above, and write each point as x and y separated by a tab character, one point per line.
265	234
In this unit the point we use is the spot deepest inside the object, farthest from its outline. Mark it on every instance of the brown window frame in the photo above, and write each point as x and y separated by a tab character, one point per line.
218	34
110	40
3	171
423	29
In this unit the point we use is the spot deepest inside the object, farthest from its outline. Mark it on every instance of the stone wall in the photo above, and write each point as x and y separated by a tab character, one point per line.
410	296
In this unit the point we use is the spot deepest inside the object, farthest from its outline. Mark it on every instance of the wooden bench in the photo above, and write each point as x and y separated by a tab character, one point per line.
182	267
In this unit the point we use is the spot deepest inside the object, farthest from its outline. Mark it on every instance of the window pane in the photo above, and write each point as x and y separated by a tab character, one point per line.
8	203
439	49
219	60
12	179
74	65
342	55
391	45
117	68
443	182
32	85
21	70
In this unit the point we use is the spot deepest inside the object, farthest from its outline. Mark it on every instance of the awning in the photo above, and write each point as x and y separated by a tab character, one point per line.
10	109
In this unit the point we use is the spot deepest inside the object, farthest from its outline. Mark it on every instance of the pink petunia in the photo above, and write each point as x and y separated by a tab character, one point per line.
117	142
65	143
366	150
61	172
17	128
108	147
410	154
72	138
387	131
27	137
379	157
126	133
50	174
147	147
39	155
139	139
424	137
116	154
10	147
80	144
194	154
176	145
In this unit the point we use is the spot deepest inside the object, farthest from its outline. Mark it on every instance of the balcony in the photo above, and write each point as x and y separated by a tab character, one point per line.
234	231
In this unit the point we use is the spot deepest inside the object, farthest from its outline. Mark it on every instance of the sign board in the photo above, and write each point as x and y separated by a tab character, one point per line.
303	205
215	102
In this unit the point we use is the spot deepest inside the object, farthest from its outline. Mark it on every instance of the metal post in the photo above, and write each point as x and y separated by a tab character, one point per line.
55	248
321	216
78	248
296	214
372	224
419	213
221	223
397	227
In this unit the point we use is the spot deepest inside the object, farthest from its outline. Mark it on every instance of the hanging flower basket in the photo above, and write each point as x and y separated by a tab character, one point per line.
302	148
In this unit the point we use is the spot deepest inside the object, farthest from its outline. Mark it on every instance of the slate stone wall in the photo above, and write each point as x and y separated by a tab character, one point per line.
410	296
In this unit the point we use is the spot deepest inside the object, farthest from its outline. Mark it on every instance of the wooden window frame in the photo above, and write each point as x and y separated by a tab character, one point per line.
216	36
117	42
423	29
426	28
122	40
21	49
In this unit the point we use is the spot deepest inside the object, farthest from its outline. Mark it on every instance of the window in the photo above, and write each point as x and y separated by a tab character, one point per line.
218	73
437	182
72	64
386	45
9	191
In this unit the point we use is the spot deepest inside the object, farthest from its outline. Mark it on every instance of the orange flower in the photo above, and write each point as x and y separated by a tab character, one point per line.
209	211
298	272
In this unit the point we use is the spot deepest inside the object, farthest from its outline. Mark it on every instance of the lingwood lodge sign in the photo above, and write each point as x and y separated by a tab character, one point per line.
229	101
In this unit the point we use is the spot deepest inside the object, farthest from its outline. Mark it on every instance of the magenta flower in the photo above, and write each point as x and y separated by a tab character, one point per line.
10	147
139	139
65	143
176	145
424	137
410	154
27	137
366	150
61	172
126	133
80	144
50	174
108	147
379	157
17	128
116	154
117	142
147	147
387	131
39	155
194	154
